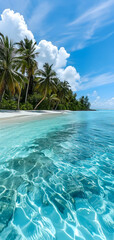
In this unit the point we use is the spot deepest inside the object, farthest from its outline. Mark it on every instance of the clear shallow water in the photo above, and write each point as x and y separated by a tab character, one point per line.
56	178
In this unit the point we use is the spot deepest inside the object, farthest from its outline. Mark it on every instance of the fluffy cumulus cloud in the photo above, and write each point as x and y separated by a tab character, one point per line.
13	25
47	53
70	75
51	54
58	57
62	56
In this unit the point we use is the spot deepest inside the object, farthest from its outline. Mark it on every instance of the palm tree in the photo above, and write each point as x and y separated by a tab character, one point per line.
62	92
18	91
27	62
52	99
47	82
10	78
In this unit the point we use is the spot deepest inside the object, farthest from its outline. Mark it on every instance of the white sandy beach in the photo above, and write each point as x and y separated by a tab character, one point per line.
4	114
11	116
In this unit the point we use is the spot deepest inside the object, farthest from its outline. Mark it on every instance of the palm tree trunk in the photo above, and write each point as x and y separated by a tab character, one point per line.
48	103
56	105
2	95
30	90
27	89
19	101
40	101
26	95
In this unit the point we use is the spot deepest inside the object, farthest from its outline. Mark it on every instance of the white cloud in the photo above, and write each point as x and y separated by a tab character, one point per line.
62	56
86	25
39	15
89	81
47	53
97	98
70	75
13	25
94	93
93	13
20	5
51	54
99	103
58	57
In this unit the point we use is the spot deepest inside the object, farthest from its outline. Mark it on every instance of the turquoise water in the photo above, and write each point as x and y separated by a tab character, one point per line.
56	178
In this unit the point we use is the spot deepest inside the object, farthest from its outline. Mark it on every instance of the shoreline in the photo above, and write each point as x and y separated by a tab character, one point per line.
9	117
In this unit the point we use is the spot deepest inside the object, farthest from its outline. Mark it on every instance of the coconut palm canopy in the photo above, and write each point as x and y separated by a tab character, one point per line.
23	85
26	61
10	78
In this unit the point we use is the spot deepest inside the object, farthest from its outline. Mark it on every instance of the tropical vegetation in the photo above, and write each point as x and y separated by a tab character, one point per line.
24	86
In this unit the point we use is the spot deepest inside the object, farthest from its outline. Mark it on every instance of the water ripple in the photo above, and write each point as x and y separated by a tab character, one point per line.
58	186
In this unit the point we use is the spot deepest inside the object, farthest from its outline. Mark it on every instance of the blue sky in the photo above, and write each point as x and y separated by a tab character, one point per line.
86	31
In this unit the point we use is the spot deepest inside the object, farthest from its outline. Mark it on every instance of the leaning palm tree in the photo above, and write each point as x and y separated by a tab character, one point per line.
47	81
10	78
27	62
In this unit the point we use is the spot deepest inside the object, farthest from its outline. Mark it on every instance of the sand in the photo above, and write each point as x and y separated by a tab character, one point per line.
8	117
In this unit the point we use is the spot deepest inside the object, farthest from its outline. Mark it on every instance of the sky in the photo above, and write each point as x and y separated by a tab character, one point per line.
76	36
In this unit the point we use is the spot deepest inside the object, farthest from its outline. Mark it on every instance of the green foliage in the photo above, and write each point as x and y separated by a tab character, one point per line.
33	99
26	106
84	103
47	82
26	62
61	107
8	104
24	86
10	78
